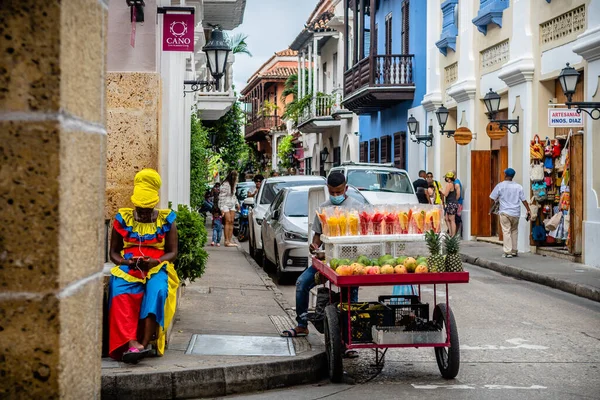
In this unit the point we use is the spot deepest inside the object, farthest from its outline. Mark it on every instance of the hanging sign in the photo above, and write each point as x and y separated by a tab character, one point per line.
564	117
178	32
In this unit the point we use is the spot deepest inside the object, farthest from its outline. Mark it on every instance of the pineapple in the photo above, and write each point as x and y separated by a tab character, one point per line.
453	261
435	262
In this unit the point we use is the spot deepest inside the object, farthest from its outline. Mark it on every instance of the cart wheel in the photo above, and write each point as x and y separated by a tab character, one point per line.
333	344
448	358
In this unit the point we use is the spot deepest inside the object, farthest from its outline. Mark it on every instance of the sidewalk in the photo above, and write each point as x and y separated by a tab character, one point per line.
233	298
577	279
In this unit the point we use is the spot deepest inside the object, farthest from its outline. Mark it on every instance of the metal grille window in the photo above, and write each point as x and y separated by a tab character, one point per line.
364	151
337	156
386	149
399	150
374	156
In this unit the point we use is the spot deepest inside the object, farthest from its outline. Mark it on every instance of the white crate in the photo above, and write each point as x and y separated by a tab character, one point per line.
373	246
399	336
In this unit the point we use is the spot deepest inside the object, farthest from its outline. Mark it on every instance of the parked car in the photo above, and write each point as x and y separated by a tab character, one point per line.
285	229
268	190
380	183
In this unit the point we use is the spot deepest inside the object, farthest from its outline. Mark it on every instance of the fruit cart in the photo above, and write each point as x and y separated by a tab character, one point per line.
392	321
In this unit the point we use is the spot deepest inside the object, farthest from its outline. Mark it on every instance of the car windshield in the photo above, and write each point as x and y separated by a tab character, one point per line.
296	204
380	181
270	189
355	194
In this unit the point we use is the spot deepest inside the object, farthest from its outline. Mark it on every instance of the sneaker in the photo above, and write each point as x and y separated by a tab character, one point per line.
515	254
218	244
507	255
212	244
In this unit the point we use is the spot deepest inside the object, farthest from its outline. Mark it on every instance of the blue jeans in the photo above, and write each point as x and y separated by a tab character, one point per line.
217	230
304	283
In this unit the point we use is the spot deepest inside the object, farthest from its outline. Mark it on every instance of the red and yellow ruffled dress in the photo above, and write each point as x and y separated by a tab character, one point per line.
135	294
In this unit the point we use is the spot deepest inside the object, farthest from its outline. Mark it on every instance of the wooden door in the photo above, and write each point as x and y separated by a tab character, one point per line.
481	187
576	189
496	229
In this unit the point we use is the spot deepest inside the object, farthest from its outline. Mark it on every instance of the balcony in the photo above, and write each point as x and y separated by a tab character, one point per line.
214	102
378	82
259	127
323	112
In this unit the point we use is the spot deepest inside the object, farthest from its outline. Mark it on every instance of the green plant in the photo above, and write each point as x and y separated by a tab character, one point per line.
284	149
238	43
268	108
199	166
191	256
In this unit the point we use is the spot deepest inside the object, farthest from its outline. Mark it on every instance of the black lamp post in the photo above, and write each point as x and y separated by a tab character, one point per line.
324	154
442	117
568	79
213	140
492	103
217	52
413	127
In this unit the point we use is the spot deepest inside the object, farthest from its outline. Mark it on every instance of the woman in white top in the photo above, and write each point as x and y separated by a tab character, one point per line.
228	203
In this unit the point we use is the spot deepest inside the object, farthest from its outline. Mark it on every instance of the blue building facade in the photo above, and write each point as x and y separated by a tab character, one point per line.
398	80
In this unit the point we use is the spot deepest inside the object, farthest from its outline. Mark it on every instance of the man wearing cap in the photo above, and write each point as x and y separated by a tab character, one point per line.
510	195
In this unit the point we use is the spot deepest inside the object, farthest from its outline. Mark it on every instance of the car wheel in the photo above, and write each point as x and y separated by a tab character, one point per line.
282	276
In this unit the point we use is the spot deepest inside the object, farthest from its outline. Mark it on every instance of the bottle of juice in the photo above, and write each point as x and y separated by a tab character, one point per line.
365	222
343	222
333	223
353	224
378	222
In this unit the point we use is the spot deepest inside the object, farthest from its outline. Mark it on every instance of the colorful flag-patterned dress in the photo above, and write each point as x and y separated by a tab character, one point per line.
135	294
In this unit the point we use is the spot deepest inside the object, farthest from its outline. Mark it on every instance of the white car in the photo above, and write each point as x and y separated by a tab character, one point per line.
379	183
285	229
268	190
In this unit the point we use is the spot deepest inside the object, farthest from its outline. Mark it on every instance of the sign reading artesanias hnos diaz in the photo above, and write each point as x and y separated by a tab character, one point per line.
564	117
178	32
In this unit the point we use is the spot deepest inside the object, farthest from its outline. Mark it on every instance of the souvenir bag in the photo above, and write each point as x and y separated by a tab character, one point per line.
536	171
562	159
539	191
534	207
536	150
552	223
548	150
565	201
538	233
548	180
556	148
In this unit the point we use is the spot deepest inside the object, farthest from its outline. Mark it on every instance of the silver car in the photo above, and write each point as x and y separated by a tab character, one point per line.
285	230
268	190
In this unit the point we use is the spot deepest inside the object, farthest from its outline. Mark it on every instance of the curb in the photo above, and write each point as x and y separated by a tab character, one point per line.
564	285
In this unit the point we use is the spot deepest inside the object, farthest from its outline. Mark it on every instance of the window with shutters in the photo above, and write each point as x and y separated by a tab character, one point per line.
405	22
364	151
386	149
374	156
308	166
399	150
376	38
337	156
388	34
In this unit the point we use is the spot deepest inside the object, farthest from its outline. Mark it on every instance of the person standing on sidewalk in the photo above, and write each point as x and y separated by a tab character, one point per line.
217	221
436	198
337	186
228	203
420	185
510	195
451	193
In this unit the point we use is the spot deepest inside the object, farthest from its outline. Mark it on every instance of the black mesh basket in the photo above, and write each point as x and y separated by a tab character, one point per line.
364	315
404	310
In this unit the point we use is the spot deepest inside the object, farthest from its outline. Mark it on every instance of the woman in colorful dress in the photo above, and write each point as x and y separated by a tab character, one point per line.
143	284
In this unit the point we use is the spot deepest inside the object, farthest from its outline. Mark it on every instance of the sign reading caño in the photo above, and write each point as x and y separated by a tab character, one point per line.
178	32
564	117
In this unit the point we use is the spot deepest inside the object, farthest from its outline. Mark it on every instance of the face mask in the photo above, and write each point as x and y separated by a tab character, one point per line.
337	200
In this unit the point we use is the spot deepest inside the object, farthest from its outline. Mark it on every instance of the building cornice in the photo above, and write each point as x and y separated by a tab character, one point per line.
517	71
588	45
432	101
463	90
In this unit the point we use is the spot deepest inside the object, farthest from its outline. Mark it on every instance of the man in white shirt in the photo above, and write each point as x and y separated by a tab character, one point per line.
510	195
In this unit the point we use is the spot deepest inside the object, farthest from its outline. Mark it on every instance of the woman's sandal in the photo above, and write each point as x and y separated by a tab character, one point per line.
293	333
351	354
134	355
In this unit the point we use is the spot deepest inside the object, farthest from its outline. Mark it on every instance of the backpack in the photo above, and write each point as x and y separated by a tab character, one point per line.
538	233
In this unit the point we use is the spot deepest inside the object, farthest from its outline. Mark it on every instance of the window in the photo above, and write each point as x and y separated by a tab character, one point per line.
364	152
374	156
374	180
324	88
337	156
375	38
334	72
296	204
308	166
388	34
399	150
405	23
386	149
271	189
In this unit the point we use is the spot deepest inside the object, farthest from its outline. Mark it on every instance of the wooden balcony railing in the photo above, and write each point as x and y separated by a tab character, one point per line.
381	70
262	123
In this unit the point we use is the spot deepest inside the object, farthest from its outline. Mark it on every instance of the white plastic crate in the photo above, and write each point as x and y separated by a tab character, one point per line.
373	246
399	336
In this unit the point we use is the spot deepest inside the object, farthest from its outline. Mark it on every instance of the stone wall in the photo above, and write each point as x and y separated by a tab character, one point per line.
132	105
52	182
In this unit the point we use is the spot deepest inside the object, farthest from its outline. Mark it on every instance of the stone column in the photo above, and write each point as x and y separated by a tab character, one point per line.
52	182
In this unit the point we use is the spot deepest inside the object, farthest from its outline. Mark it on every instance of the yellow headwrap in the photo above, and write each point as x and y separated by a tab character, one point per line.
145	190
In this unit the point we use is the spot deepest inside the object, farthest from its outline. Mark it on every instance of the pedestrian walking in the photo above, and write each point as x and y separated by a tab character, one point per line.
510	195
217	220
436	196
421	187
458	218
228	203
451	192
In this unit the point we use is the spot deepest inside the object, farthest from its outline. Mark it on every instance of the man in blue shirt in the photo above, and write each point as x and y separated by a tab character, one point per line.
458	217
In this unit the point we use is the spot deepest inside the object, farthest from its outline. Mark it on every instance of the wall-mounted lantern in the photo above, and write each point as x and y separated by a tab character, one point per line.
137	7
217	52
568	79
492	103
442	117
413	128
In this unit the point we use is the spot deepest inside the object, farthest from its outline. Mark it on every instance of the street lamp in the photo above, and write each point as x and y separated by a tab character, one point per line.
213	140
568	79
324	155
413	127
442	117
217	52
492	103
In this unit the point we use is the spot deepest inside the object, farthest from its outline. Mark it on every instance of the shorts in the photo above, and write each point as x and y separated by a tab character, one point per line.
451	208
226	209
